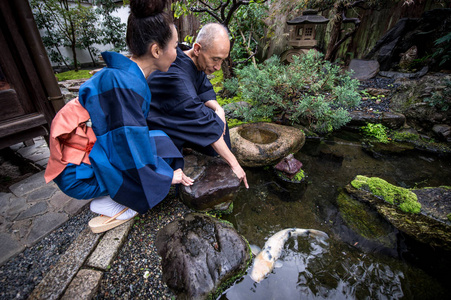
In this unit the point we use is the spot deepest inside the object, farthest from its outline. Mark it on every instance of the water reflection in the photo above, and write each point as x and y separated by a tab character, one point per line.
351	266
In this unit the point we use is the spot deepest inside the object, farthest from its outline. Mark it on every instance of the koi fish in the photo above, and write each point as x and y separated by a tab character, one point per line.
266	259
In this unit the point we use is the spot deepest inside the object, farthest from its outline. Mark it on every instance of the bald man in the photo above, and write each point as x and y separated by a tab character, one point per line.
184	103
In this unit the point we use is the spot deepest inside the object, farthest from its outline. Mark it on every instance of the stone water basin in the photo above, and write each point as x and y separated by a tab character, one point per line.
262	144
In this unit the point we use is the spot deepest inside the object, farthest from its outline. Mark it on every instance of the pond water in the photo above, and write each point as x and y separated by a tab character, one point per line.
348	266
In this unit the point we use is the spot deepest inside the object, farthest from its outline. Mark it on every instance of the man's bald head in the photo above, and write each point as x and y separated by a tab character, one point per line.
211	48
212	34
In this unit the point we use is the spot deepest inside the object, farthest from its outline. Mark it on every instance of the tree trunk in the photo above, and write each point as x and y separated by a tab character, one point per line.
335	32
227	65
92	57
227	69
73	47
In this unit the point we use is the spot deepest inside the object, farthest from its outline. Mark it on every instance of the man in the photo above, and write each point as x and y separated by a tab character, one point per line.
184	103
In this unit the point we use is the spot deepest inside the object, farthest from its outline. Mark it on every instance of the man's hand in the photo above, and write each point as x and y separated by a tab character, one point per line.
180	177
221	148
239	172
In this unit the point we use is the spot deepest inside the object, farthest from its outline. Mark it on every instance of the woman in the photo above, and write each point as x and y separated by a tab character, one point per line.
100	146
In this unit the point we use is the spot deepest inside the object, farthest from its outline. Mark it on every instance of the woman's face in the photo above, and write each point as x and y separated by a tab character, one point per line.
169	53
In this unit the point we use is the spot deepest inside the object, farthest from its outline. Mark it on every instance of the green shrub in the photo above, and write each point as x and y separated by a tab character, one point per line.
441	99
376	131
443	53
310	91
231	86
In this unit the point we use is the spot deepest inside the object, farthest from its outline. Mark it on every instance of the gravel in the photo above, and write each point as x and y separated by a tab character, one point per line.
20	275
136	271
134	274
371	105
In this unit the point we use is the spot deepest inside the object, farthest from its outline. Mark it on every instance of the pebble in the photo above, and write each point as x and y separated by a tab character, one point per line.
381	104
136	272
21	274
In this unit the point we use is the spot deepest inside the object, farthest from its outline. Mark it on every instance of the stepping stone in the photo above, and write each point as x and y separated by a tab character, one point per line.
8	247
215	184
363	69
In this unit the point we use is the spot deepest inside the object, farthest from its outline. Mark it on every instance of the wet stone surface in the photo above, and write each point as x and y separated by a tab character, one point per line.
215	184
200	254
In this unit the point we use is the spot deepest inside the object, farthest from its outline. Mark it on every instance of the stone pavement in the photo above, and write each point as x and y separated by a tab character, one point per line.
34	209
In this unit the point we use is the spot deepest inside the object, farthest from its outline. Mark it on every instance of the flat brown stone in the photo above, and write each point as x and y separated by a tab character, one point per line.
215	185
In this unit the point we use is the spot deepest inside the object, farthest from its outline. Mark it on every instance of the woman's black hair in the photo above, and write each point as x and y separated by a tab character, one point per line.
147	24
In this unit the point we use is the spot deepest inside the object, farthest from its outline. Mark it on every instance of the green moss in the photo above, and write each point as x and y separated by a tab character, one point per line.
449	217
80	74
228	211
406	200
234	122
224	101
299	176
405	136
376	131
364	221
217	80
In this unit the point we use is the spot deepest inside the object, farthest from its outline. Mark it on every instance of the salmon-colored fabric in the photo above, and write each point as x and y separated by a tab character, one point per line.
70	139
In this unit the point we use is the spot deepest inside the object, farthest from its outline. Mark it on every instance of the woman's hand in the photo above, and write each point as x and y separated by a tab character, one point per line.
180	177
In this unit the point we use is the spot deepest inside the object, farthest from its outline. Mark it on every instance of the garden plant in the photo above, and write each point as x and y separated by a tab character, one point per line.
310	91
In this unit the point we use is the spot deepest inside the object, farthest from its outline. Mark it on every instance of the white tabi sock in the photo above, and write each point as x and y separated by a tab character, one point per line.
106	206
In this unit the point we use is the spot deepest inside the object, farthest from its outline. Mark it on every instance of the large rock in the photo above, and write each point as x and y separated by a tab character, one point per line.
372	231
389	119
262	144
422	214
421	32
443	132
411	99
215	185
363	69
201	254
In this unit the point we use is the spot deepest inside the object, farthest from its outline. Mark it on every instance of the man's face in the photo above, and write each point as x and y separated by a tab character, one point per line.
210	59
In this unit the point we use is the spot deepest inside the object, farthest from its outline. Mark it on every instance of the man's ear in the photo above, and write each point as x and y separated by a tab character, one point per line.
196	48
155	50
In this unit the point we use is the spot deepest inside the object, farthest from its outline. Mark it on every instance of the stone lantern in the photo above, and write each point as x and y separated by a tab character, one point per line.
302	36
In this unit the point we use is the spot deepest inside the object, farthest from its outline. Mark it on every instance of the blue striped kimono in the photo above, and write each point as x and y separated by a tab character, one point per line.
128	162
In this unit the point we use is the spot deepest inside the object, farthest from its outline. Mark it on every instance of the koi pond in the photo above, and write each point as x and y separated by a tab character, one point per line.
389	266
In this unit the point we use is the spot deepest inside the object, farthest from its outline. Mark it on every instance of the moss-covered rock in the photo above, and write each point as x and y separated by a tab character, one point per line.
364	221
406	200
425	226
297	178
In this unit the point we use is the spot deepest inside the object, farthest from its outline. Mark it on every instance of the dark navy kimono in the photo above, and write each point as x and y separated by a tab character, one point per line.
178	106
128	162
